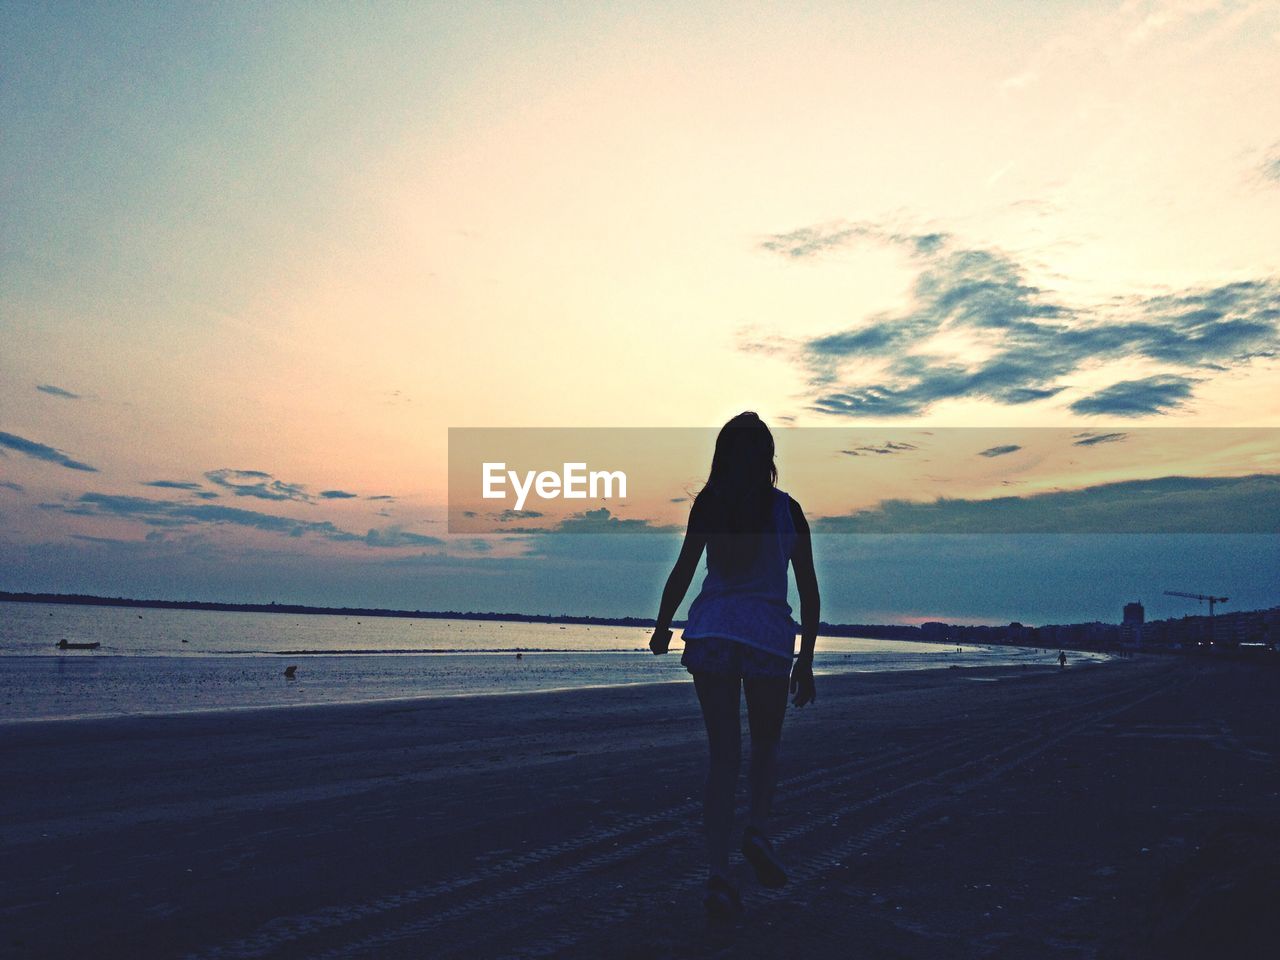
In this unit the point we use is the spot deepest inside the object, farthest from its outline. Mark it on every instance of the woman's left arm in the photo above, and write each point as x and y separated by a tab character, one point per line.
678	581
810	609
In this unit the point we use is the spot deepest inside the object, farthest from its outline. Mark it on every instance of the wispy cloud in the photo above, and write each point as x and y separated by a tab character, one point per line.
1000	451
1033	341
394	536
53	391
887	448
170	513
1248	504
507	516
174	513
337	495
810	241
10	485
603	521
40	451
255	483
195	489
596	521
1092	439
1137	398
1270	168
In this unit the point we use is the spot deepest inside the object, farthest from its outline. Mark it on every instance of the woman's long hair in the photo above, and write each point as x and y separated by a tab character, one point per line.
737	502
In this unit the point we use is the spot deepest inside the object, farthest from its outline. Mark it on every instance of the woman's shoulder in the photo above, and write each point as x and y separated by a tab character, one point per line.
797	513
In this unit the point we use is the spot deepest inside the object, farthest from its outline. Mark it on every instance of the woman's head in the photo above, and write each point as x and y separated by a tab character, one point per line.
737	502
743	461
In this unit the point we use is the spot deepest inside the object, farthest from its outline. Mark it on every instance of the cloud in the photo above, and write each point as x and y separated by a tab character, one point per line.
39	451
10	485
255	483
1249	504
1137	398
506	516
171	513
811	241
1000	451
595	522
808	241
50	389
1092	439
337	495
889	447
1031	342
602	521
1270	169
193	488
394	536
381	496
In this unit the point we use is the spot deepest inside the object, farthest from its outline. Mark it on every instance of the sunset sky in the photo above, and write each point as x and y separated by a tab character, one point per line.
256	260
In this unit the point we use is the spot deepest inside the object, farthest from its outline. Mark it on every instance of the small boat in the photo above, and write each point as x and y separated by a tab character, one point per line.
64	645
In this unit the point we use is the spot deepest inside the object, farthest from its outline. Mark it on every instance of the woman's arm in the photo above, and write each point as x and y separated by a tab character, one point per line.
810	609
678	582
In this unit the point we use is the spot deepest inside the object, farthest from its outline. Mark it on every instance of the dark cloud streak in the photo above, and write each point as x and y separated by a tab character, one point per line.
40	451
1249	504
255	483
1092	439
1137	398
53	391
170	513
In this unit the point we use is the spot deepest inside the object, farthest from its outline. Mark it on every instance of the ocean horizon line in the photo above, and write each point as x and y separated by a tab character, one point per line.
79	599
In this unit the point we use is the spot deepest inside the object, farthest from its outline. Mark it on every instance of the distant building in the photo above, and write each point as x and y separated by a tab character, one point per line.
1131	626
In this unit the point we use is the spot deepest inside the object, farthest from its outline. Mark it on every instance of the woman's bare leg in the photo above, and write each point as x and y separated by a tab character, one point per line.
720	696
766	706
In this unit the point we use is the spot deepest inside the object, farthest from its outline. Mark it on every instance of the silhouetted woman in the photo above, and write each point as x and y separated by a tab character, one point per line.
740	636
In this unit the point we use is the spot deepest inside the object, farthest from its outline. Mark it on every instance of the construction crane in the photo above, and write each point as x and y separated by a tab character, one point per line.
1198	596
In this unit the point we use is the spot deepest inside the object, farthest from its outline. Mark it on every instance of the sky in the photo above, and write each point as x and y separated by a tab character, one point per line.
257	260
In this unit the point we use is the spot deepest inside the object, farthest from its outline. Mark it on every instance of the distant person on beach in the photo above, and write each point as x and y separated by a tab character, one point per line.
740	637
1062	660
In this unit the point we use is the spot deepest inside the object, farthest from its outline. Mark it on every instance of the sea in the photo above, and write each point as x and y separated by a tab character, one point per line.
159	661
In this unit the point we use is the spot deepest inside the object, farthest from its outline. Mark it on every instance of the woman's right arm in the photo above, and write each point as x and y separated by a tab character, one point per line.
810	609
678	581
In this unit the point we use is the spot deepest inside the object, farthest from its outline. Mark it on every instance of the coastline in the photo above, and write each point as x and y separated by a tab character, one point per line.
43	688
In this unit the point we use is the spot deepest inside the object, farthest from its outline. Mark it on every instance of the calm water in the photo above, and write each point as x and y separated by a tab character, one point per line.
163	661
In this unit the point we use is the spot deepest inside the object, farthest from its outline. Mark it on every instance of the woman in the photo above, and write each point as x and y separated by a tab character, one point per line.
740	636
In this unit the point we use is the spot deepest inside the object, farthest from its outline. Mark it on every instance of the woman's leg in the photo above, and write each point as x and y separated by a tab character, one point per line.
719	696
766	706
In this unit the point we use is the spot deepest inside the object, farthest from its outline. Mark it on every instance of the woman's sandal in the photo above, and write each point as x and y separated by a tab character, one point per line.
722	901
759	853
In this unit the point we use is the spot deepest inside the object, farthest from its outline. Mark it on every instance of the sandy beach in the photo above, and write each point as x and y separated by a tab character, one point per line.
1122	809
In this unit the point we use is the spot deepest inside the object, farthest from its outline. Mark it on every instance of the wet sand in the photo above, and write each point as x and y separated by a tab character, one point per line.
1126	809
